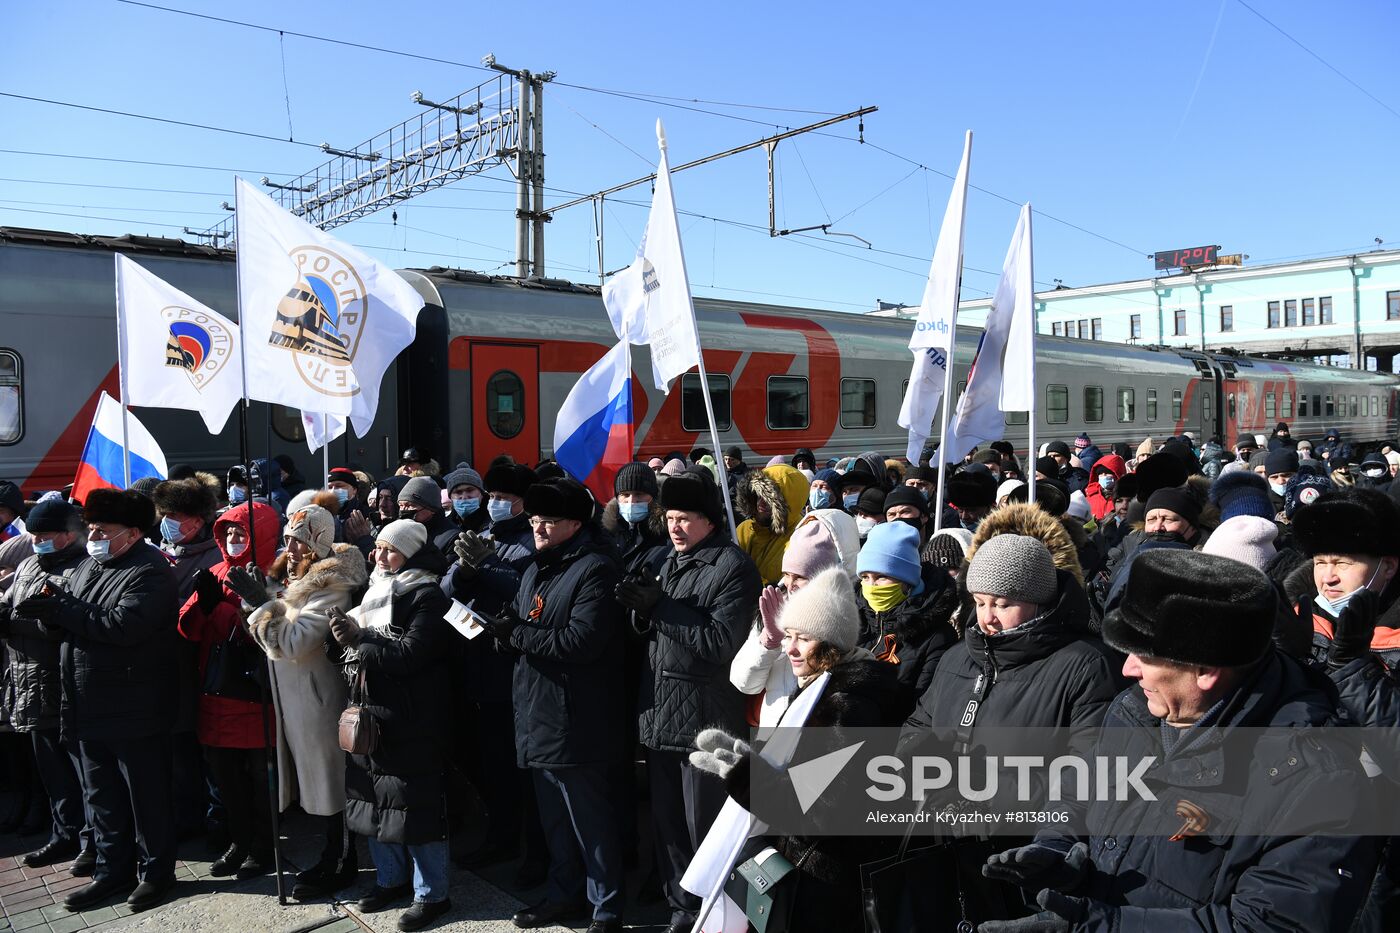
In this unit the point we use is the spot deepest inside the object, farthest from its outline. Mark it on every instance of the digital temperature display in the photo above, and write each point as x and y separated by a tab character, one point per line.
1181	258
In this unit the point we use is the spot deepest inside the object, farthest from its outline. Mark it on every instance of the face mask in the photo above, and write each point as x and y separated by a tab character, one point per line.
343	495
1277	488
635	512
236	495
864	524
171	530
913	523
883	597
819	498
99	550
1174	537
1335	608
499	510
1107	481
1375	472
850	501
45	547
236	550
465	507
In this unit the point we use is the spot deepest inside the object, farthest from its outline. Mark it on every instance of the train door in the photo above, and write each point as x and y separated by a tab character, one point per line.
505	402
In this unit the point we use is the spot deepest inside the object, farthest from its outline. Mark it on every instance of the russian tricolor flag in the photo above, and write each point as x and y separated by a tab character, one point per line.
102	466
593	431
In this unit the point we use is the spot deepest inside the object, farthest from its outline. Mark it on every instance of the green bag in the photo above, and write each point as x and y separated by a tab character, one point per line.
756	886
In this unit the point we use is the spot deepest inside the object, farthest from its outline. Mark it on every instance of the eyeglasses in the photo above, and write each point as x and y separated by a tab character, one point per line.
100	534
545	522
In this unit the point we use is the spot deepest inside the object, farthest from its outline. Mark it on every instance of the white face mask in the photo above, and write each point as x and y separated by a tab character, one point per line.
1334	609
236	550
1375	472
100	550
1278	488
863	525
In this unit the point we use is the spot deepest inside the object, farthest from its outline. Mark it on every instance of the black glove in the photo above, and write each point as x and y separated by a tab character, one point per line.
1038	866
1059	913
41	608
501	625
1356	626
208	591
639	594
250	585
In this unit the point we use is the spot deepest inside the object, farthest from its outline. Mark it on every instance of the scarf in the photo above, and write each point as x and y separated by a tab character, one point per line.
375	613
855	654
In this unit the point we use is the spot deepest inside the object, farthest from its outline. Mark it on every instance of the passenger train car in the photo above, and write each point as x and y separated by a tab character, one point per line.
494	358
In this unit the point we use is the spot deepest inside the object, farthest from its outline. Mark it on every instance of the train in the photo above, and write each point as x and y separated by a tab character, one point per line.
495	356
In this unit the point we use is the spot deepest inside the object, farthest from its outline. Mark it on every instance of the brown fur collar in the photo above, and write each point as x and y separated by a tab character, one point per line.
755	485
1020	518
345	568
614	525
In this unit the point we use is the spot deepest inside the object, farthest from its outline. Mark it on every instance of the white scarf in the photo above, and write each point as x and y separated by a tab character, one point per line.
375	613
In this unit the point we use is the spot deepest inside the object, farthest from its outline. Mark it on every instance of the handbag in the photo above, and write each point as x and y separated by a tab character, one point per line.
359	730
236	669
756	886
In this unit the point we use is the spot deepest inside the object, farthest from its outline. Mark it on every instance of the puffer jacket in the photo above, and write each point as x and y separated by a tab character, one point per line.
33	689
784	490
397	794
914	635
118	658
1100	502
515	542
709	598
567	687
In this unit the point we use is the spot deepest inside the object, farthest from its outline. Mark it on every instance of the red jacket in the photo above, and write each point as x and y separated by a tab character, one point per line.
1098	502
224	722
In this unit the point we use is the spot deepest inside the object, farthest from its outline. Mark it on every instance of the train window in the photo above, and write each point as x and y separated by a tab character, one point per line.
1056	404
505	404
286	423
1176	404
1017	417
1206	413
1353	406
1127	405
857	403
1285	406
1374	408
693	416
1331	409
1269	406
1231	399
1302	404
787	402
1151	405
11	397
1093	403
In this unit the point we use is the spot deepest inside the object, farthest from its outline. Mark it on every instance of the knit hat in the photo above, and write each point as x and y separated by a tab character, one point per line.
52	515
892	550
1175	499
422	492
825	610
689	492
673	467
635	477
146	485
858	477
1014	566
341	475
906	495
1260	458
1241	493
922	473
1081	440
185	497
11	498
315	527
513	479
947	548
1144	449
1046	466
1245	441
804	454
656	463
972	489
462	475
1159	472
1193	608
810	550
1009	486
123	507
775	460
1057	447
734	453
559	498
1248	539
1079	506
988	457
828	476
872	501
1349	521
404	535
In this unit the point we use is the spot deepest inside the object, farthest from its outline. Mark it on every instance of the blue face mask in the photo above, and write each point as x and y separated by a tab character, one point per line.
170	530
1335	609
45	547
635	512
499	510
819	498
343	495
850	501
465	507
236	495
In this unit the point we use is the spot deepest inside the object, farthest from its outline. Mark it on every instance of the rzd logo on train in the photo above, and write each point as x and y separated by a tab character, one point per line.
197	343
320	320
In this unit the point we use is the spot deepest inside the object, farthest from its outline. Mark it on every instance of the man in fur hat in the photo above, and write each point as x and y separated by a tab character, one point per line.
118	613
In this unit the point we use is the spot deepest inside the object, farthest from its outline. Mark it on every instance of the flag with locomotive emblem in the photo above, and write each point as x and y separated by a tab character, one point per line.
321	320
174	352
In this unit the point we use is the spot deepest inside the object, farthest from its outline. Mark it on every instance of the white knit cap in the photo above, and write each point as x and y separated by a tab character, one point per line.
1079	506
312	526
825	609
1007	487
1248	539
404	535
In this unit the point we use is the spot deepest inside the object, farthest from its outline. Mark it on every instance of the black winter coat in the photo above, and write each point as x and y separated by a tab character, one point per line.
1295	776
634	545
515	542
118	659
707	605
396	793
34	691
915	634
567	685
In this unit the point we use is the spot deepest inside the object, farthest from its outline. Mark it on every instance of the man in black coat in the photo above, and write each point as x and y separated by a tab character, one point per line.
119	691
1258	816
568	703
697	611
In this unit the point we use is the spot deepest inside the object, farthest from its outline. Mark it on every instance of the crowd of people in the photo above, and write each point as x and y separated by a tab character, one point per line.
172	646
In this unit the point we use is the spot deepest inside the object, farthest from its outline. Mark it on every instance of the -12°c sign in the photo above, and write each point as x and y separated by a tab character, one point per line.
1181	258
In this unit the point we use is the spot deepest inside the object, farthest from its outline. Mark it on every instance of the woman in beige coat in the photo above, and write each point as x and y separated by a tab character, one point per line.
290	622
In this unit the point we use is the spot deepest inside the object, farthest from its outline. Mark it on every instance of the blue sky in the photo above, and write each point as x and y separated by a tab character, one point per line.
1149	126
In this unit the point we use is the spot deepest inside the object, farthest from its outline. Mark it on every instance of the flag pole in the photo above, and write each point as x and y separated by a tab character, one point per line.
325	447
121	373
269	740
945	404
1035	394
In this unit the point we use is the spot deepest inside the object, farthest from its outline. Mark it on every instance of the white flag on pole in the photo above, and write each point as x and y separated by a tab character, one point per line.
649	301
175	352
935	328
1002	376
321	428
321	320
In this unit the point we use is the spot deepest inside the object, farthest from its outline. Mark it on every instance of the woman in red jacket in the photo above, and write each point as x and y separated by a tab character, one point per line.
234	732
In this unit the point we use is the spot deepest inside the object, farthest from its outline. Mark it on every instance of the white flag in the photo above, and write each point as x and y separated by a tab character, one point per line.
649	301
321	428
321	320
935	329
1002	377
174	352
